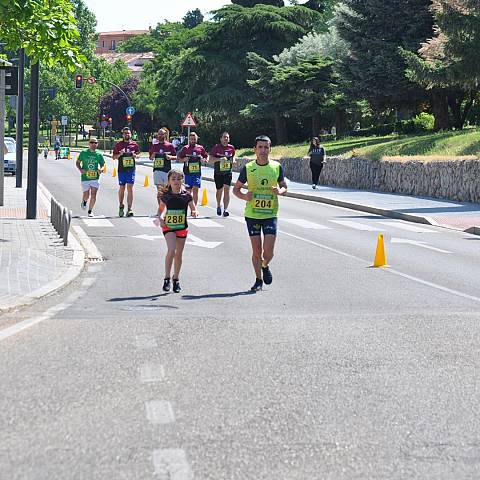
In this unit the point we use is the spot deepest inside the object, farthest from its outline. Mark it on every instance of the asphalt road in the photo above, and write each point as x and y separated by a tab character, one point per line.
335	371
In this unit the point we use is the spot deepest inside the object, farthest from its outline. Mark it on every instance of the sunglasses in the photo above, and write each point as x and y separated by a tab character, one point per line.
93	142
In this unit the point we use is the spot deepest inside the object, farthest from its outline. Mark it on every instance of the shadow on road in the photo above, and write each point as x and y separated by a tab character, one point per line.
217	295
149	297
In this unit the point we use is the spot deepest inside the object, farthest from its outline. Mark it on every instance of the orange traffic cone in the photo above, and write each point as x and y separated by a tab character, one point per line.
145	184
380	257
204	198
114	174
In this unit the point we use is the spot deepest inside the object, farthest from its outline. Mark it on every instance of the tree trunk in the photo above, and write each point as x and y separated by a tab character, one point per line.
440	110
340	121
455	105
316	125
280	129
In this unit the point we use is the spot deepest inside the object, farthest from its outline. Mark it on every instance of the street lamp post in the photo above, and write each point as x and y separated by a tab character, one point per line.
32	178
20	118
3	64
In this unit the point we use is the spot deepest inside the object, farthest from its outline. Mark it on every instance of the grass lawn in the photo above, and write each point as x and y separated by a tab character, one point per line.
464	143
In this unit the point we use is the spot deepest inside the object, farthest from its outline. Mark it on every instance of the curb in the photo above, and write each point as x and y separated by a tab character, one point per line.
359	207
73	271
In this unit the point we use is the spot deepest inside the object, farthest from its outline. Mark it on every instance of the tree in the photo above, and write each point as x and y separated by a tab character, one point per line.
87	24
300	90
214	70
253	3
192	18
447	64
374	31
23	24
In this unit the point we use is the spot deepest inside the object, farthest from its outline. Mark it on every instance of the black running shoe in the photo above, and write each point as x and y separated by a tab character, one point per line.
219	211
176	285
225	213
166	285
267	275
257	285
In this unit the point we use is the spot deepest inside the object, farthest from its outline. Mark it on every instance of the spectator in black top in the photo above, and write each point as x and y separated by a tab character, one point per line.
317	159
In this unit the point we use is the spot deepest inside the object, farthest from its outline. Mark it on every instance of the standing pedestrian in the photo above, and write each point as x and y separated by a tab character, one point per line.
317	159
265	181
174	203
161	153
126	151
223	156
192	156
90	163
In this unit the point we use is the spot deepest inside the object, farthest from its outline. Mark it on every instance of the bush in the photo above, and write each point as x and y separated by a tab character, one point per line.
424	122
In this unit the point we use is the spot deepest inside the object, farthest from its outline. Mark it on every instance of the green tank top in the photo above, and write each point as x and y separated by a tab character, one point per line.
260	180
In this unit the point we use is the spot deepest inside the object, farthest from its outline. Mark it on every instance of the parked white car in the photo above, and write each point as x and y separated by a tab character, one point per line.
10	159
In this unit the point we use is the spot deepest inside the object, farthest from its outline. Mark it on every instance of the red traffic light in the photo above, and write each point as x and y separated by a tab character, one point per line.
129	118
78	81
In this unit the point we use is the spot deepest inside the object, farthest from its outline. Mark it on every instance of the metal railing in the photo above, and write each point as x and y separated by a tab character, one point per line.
61	219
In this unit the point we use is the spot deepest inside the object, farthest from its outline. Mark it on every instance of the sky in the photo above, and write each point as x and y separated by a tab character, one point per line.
140	14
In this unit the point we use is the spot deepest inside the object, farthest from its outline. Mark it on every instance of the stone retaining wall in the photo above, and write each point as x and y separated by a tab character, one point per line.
448	179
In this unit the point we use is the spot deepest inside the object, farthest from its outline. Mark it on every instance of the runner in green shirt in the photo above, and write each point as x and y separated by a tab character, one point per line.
265	180
90	163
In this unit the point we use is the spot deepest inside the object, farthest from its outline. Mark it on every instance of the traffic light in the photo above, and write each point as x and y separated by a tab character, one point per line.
129	118
78	81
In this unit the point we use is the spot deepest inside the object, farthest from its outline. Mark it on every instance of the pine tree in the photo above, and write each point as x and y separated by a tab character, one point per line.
374	31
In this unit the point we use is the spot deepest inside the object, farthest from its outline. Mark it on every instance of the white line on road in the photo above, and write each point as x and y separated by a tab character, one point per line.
204	223
418	243
305	224
356	225
159	412
387	270
172	463
97	222
8	332
145	342
152	372
146	222
198	242
407	226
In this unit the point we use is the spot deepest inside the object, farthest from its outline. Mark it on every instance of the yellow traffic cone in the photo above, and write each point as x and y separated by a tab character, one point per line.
104	168
68	156
114	174
145	184
380	257
204	198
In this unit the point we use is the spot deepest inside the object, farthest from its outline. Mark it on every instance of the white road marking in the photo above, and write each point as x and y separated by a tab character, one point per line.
150	238
172	463
146	222
145	341
411	227
159	412
418	243
305	224
152	372
387	270
237	219
356	225
204	223
198	242
51	312
97	222
92	252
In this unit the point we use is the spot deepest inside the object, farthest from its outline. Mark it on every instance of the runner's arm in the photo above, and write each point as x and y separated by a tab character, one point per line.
238	192
193	209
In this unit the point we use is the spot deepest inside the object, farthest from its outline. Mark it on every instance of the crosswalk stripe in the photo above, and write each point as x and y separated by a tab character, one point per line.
305	224
356	225
204	223
97	222
407	226
145	222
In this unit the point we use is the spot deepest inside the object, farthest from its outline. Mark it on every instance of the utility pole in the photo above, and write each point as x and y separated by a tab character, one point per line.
32	178
20	117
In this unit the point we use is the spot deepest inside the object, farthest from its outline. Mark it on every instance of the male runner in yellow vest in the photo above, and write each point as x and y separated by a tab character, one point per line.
265	181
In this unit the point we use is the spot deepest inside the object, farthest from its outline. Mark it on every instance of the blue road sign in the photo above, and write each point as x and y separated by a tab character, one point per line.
130	111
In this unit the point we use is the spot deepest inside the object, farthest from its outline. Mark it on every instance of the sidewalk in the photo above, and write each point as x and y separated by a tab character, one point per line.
444	213
33	260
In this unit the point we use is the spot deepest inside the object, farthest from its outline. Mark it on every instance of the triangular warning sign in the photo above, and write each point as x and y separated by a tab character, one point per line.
189	121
